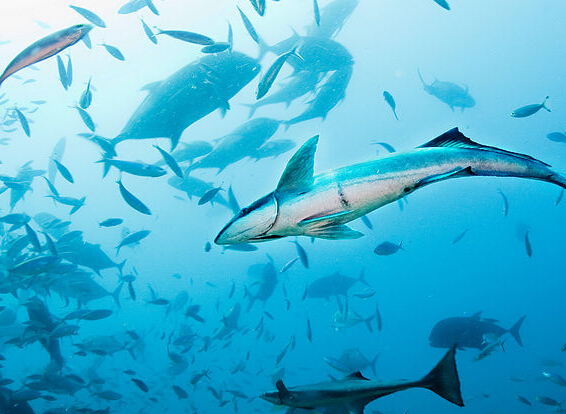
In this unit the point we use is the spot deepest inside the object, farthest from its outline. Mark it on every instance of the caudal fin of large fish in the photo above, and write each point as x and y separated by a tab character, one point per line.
531	167
514	330
443	379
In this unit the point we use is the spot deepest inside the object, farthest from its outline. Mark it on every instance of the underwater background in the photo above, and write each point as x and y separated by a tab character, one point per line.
204	327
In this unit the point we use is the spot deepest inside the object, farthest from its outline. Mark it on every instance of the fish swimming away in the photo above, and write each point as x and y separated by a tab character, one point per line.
65	173
69	71
355	391
45	48
249	26
23	121
148	32
90	16
321	205
62	72
86	118
391	102
86	96
470	332
332	18
132	238
529	110
170	161
185	97
132	200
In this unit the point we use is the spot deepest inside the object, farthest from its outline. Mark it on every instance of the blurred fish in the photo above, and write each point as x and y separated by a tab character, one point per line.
505	203
170	161
557	136
309	329
132	6
132	200
62	72
209	195
111	222
378	318
316	12
148	32
442	3
391	102
216	47
559	198
140	384
288	265
554	377
547	401
332	18
180	393
86	97
86	118
90	16
267	80
23	121
45	48
352	360
529	110
523	399
138	168
387	248
335	284
448	92
249	26
460	236
69	71
114	51
528	247
189	37
301	252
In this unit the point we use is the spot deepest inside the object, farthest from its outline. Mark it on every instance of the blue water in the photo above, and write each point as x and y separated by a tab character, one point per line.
506	54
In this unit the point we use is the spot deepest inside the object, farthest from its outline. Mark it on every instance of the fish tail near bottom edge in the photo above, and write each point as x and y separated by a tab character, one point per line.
514	330
443	379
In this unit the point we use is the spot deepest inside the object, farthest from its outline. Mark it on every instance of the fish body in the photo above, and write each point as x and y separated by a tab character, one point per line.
355	391
90	16
185	97
391	102
529	110
132	238
321	205
443	3
140	169
45	48
470	332
332	18
448	92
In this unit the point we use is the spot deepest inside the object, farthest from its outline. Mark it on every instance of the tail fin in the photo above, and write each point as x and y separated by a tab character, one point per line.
544	103
253	108
514	330
106	164
263	48
373	362
421	78
443	379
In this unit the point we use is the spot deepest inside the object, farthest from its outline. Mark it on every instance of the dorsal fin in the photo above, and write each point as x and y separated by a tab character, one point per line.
455	139
476	315
298	174
282	390
356	376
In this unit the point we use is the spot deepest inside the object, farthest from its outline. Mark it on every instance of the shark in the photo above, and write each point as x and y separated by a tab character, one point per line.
354	392
320	206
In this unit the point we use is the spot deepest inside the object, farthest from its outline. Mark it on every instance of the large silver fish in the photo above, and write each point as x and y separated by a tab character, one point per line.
319	206
46	47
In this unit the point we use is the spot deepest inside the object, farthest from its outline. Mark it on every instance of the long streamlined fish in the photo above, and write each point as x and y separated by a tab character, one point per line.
321	205
354	392
46	47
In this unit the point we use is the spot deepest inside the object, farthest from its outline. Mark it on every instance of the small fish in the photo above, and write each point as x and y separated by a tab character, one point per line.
557	136
216	47
249	26
288	265
86	118
267	80
62	72
391	102
132	238
460	236
505	203
367	222
65	173
387	248
209	195
148	32
529	110
51	186
90	16
170	161
207	247
159	302
378	318
23	121
523	399
151	7
132	291
111	222
132	6
114	51
141	385
302	254
230	36
316	12
241	247
528	246
132	200
69	71
189	37
309	329
443	4
559	199
86	96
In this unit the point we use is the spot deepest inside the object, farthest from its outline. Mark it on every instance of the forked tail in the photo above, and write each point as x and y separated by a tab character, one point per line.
443	379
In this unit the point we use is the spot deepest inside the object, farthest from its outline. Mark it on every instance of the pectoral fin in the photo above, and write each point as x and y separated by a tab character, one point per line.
332	232
321	218
457	172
